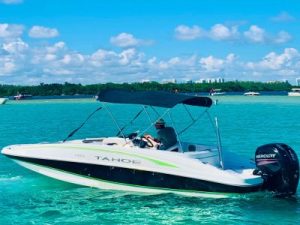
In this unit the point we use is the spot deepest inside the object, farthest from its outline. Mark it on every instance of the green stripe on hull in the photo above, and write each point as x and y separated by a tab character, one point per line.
190	192
155	161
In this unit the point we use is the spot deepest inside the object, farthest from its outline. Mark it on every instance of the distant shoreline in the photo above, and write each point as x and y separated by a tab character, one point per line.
83	97
68	90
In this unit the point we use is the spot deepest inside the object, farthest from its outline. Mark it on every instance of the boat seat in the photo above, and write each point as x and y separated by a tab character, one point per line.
173	148
114	141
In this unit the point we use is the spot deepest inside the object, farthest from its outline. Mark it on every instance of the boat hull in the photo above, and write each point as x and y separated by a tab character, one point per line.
130	169
294	94
118	178
3	101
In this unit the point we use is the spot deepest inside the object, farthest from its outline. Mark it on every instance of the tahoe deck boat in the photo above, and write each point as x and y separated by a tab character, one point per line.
295	92
132	163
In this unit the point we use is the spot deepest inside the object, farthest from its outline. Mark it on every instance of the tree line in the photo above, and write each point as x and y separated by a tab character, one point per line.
92	89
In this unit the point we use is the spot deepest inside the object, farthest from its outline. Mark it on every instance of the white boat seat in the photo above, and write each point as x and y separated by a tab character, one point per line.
114	141
173	148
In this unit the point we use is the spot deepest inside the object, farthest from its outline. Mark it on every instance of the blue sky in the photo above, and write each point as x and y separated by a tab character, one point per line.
126	41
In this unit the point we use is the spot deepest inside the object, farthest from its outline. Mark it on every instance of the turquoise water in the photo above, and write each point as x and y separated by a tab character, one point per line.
245	123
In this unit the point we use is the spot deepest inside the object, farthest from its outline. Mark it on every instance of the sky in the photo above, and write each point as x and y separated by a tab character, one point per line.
93	41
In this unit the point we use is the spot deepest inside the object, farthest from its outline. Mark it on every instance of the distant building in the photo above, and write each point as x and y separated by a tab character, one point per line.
166	81
210	80
201	81
276	81
298	81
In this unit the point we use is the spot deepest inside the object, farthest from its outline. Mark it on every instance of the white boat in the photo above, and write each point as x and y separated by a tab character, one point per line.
22	96
132	163
295	92
3	101
251	93
216	92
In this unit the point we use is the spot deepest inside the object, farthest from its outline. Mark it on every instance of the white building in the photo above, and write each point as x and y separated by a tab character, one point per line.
298	81
211	80
166	81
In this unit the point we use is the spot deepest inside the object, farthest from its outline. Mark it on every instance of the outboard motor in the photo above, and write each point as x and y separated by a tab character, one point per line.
279	167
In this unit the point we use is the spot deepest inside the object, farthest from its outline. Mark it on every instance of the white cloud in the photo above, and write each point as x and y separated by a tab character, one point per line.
125	40
126	56
183	32
230	58
172	63
255	34
58	71
56	47
274	66
10	30
282	37
43	32
15	47
10	2
283	17
22	63
73	59
273	61
103	57
48	53
50	57
211	63
221	32
7	66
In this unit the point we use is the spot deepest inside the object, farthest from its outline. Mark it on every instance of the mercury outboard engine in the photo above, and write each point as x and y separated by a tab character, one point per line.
279	167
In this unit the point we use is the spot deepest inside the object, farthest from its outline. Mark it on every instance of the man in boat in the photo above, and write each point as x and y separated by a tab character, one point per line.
166	136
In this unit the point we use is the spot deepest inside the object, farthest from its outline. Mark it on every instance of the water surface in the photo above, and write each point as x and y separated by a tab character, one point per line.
245	123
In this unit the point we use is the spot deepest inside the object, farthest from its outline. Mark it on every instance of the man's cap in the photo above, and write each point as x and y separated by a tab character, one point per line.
160	122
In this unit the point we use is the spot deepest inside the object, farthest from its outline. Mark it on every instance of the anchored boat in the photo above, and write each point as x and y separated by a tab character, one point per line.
3	101
131	162
295	92
251	93
216	92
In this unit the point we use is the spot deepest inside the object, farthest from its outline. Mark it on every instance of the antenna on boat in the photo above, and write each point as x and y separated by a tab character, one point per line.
78	128
219	143
113	119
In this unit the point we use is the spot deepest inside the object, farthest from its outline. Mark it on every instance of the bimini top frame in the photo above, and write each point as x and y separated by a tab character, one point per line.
152	98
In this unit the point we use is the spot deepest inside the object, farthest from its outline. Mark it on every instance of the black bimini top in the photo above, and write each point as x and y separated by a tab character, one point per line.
152	98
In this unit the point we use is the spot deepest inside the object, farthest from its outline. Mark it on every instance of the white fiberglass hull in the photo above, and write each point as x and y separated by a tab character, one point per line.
294	94
134	169
3	101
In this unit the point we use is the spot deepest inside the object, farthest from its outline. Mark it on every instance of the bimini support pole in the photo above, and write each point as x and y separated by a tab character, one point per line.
113	119
178	138
219	143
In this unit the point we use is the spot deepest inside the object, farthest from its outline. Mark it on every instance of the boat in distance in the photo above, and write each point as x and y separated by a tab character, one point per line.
3	101
131	162
216	92
22	96
295	92
251	93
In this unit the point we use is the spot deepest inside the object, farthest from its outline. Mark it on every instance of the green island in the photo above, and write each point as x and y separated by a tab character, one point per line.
91	89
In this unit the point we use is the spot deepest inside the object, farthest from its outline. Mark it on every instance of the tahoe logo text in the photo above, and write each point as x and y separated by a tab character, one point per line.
120	160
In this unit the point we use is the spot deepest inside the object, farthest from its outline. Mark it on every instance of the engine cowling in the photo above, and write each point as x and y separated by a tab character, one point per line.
278	165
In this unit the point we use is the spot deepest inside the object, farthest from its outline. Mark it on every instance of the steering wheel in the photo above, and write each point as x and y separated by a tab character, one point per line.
148	141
